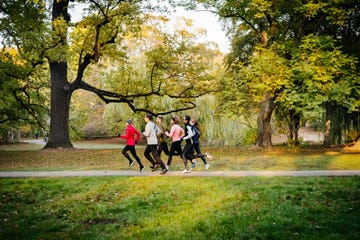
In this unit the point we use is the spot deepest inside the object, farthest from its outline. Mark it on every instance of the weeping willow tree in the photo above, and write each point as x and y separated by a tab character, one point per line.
164	73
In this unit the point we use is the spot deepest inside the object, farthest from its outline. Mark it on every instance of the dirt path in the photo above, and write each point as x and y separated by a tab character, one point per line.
327	173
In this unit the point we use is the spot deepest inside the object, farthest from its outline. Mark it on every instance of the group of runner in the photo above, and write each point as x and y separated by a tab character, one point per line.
157	134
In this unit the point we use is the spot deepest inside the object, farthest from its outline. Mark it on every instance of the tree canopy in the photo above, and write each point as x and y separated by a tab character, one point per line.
176	68
290	55
297	59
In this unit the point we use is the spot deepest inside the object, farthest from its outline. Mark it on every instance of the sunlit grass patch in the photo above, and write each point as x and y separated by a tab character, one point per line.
345	161
180	208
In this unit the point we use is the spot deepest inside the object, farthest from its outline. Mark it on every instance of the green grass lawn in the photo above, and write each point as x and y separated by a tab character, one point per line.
180	207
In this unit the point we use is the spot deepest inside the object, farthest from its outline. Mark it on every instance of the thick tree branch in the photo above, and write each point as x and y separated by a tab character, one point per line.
132	106
111	97
97	45
106	96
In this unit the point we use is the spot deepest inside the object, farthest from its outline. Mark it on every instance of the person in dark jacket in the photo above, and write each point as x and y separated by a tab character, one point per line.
188	150
196	144
162	138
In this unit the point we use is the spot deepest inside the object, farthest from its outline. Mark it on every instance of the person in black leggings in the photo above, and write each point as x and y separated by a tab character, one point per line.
162	138
196	144
188	150
176	134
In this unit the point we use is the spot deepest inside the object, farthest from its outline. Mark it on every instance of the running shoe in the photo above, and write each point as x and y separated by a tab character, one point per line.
207	167
131	164
193	163
208	155
142	168
155	167
164	171
186	171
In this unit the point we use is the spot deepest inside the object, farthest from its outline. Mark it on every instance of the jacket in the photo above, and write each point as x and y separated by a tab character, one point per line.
188	134
176	133
130	133
151	131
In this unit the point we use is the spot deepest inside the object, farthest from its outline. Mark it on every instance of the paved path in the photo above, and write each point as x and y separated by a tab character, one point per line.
332	173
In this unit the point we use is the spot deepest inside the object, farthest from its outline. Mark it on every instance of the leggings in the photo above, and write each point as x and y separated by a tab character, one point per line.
175	150
199	154
188	152
153	150
163	147
133	152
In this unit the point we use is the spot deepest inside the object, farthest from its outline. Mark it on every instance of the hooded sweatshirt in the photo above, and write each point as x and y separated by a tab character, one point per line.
150	133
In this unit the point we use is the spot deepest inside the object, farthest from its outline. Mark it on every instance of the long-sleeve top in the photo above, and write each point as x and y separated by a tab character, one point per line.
176	133
188	133
130	133
151	133
161	135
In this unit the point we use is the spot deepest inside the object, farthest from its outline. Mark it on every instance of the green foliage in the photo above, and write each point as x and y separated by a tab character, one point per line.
285	29
321	74
168	72
24	99
171	65
249	137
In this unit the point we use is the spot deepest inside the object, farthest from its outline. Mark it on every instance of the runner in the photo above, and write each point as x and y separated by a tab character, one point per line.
130	133
196	145
188	150
176	133
151	135
162	138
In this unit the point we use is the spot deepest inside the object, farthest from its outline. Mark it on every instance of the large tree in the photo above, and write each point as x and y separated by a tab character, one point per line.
280	25
98	34
23	98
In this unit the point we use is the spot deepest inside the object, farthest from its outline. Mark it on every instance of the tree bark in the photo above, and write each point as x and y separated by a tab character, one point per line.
60	105
294	127
264	126
327	137
60	91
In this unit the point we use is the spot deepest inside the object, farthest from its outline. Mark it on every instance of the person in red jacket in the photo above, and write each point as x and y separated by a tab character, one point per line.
131	141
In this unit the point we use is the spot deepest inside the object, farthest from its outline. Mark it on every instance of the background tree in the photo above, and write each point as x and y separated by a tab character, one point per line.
281	26
99	34
23	85
175	63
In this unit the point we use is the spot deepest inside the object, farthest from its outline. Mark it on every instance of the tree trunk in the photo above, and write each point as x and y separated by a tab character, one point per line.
264	127
60	105
327	138
294	127
60	92
335	124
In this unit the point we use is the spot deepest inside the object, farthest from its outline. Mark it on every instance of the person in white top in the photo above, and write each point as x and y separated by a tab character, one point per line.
150	133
